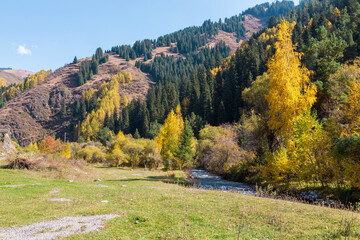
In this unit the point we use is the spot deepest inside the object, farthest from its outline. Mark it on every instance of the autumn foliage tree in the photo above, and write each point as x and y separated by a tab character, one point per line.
109	101
48	145
66	153
291	91
2	83
168	138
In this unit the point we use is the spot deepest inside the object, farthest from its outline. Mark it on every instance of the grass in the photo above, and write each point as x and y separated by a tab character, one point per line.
154	209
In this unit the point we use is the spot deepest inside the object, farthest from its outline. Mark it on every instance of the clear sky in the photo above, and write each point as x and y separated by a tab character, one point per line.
47	34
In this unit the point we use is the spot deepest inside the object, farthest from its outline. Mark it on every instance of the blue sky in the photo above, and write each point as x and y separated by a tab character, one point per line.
47	34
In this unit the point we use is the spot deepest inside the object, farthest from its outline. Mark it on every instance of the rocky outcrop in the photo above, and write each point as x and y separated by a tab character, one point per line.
6	145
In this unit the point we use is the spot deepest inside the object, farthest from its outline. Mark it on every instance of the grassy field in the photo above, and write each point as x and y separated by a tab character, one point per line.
154	209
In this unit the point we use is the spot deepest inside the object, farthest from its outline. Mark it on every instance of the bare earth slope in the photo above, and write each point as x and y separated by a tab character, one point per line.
35	113
251	24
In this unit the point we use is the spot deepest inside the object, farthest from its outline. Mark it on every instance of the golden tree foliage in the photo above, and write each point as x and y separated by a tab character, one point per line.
122	77
344	106
32	147
2	83
35	79
110	100
29	82
336	13
125	100
352	108
306	157
120	136
87	94
12	92
291	91
66	153
168	138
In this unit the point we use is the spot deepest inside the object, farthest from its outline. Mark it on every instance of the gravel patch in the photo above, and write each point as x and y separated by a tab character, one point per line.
53	229
21	185
55	190
60	200
14	186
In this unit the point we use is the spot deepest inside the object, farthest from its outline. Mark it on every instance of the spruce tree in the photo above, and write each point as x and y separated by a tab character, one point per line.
77	108
136	134
185	152
83	111
63	108
125	121
116	122
195	91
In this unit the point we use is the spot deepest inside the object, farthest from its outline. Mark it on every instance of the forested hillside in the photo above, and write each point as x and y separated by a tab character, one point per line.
294	120
187	49
282	109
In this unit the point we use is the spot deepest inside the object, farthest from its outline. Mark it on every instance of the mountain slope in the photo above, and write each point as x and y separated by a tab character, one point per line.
14	76
35	113
252	25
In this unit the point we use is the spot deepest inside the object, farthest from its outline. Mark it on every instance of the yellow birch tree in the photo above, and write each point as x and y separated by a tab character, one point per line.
168	138
291	93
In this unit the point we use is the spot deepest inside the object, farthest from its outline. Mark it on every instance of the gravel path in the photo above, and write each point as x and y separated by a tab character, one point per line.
53	229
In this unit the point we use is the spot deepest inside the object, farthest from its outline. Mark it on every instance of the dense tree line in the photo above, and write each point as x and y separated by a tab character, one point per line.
275	9
139	48
89	68
190	39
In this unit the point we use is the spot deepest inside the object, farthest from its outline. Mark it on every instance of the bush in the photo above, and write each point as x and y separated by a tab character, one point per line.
92	154
219	152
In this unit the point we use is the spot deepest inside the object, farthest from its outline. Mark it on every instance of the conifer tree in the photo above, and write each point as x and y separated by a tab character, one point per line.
63	108
136	134
125	121
185	152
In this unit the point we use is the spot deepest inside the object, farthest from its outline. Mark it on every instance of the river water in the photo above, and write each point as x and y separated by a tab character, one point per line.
207	180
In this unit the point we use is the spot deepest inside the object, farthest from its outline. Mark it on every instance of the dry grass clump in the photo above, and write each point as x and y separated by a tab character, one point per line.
51	166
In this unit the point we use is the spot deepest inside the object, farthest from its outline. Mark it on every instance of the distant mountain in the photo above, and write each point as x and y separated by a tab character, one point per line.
14	75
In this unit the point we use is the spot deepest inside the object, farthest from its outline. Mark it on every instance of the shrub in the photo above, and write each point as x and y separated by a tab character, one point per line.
92	154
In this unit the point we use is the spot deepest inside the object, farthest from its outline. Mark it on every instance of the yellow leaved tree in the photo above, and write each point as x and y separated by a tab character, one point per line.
2	83
168	138
352	109
66	153
291	93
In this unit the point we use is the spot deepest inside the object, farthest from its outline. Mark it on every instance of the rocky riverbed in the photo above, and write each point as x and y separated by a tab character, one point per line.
206	180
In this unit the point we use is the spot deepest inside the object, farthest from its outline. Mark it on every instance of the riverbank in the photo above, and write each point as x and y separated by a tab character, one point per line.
205	180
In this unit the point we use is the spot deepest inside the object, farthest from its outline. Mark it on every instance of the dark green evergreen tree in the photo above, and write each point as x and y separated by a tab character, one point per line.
185	152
